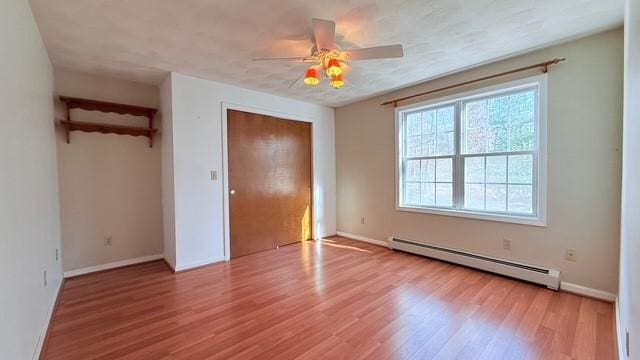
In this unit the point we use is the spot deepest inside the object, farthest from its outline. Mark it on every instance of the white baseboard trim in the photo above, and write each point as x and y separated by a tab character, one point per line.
111	265
564	286
170	264
45	327
365	239
195	264
620	333
318	238
588	292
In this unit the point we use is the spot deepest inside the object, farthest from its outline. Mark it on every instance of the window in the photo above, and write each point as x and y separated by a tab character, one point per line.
480	154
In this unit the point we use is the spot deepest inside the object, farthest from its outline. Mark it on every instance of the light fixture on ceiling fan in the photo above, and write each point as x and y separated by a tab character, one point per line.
331	62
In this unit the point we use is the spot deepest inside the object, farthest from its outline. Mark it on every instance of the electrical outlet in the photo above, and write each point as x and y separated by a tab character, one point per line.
570	254
108	241
506	244
45	278
362	220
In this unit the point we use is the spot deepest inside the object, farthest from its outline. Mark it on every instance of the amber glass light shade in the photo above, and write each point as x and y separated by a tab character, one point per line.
337	82
333	68
311	77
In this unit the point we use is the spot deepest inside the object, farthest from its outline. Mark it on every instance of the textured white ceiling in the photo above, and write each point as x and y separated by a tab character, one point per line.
142	40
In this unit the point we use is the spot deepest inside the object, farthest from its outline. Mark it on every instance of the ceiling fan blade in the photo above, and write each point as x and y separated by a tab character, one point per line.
294	59
378	52
324	31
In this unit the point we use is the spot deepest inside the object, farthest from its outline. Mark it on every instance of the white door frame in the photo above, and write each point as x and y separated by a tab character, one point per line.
225	166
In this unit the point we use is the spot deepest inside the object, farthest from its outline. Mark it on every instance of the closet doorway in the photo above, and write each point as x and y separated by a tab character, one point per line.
270	200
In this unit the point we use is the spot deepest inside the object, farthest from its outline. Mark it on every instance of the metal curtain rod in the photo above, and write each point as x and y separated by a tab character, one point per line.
543	66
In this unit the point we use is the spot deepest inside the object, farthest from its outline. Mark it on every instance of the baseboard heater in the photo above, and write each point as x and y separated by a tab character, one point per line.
548	277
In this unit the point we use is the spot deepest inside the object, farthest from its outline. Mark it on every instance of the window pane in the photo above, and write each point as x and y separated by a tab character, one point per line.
497	169
444	143
445	131
522	114
474	170
475	127
499	124
428	170
431	132
444	170
522	137
476	114
497	139
521	169
429	122
520	199
414	146
428	194
444	195
445	119
474	196
412	193
498	111
412	171
496	197
493	195
523	106
428	145
475	141
413	124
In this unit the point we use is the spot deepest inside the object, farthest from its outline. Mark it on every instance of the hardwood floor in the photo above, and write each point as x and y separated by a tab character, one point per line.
335	299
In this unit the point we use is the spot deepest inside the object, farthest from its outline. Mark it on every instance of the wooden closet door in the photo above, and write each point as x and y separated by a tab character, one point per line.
269	182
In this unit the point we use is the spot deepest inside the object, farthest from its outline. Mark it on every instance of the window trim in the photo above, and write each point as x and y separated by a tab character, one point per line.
540	153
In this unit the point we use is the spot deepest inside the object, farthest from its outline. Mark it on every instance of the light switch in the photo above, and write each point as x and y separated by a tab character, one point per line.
214	175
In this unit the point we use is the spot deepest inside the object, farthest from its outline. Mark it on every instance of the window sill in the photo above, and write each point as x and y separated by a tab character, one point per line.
514	219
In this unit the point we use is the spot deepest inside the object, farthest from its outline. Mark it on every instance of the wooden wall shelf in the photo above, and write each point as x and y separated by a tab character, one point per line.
107	128
107	107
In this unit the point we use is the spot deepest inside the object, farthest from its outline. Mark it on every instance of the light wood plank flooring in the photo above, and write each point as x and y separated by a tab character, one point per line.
335	299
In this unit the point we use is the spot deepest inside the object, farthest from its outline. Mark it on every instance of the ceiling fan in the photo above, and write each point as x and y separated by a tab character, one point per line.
331	62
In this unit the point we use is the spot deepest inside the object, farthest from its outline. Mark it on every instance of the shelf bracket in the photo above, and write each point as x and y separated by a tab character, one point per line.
67	131
151	129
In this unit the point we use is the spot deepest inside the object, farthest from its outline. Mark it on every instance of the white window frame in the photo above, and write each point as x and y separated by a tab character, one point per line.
539	218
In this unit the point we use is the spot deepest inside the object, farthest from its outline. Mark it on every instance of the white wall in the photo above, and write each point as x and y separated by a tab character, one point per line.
629	297
196	125
29	210
110	185
584	141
